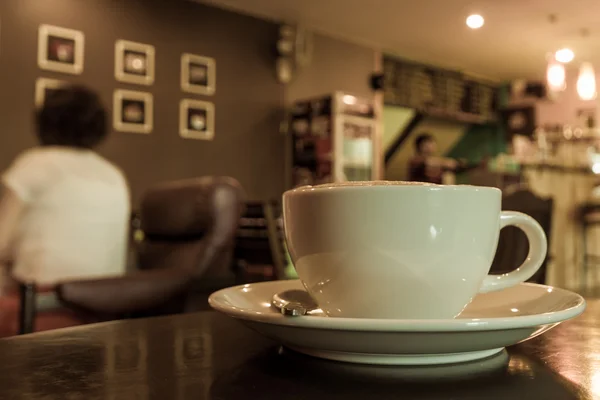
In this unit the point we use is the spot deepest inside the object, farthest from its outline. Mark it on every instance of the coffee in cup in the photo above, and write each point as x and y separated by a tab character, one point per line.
401	250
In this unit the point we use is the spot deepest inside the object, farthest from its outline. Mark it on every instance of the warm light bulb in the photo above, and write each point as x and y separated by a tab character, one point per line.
586	83
348	99
556	76
475	21
564	55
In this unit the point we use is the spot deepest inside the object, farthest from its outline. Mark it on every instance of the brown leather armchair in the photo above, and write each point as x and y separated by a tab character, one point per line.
189	229
192	224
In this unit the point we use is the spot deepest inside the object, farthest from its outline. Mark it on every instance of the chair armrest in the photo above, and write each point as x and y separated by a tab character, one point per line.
127	294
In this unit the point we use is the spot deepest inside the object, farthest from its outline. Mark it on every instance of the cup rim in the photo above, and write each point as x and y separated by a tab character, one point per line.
382	186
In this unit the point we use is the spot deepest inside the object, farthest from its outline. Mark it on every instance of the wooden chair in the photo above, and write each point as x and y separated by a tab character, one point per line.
259	249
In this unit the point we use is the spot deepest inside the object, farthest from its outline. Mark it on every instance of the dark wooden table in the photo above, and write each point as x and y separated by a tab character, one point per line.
208	356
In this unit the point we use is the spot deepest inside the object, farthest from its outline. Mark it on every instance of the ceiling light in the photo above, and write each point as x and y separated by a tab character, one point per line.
586	83
556	76
475	21
564	55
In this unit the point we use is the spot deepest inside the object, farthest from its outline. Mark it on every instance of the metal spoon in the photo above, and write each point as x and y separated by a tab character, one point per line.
295	303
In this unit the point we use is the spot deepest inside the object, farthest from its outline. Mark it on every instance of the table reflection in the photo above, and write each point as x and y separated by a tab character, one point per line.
126	366
278	371
208	356
573	350
193	353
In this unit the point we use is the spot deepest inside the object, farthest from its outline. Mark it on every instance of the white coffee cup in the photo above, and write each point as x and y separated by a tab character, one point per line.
401	249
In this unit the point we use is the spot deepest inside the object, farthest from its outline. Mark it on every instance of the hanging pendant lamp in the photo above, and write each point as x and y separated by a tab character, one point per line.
556	76
586	83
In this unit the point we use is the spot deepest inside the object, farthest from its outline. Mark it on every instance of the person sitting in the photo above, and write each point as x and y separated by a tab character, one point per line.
64	209
427	166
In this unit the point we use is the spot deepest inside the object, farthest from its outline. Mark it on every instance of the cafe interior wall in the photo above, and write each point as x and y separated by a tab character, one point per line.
336	65
249	102
248	99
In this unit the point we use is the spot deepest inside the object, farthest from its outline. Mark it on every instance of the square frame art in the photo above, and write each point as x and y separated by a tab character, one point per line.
44	84
133	111
201	111
198	74
134	62
60	49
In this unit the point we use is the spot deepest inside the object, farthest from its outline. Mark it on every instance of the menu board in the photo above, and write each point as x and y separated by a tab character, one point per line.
438	92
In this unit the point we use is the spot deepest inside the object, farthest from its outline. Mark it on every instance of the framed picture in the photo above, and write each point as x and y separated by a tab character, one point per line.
134	62
196	119
43	86
60	49
132	111
198	74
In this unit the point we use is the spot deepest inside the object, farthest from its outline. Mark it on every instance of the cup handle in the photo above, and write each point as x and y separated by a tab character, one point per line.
538	246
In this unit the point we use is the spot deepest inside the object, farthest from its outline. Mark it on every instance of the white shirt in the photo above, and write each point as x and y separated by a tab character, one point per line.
75	224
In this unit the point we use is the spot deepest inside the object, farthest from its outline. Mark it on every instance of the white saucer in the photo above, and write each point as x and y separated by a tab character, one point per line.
491	322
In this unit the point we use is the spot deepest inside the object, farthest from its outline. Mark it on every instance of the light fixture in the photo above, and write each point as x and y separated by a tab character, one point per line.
564	56
586	83
556	76
348	99
475	21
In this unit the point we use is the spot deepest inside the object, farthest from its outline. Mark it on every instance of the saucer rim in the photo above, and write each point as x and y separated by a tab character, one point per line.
270	316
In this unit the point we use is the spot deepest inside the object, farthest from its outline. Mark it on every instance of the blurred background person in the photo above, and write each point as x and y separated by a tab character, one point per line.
64	209
427	166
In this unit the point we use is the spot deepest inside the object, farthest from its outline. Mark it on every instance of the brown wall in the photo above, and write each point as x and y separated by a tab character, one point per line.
335	65
248	100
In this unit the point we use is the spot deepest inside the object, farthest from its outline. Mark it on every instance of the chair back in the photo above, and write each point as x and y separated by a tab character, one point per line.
259	249
191	224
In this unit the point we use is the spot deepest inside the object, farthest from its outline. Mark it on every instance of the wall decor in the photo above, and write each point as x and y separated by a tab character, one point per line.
43	86
134	62
60	49
132	111
198	74
196	119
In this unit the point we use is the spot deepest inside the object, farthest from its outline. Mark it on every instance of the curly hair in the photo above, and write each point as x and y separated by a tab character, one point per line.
71	116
